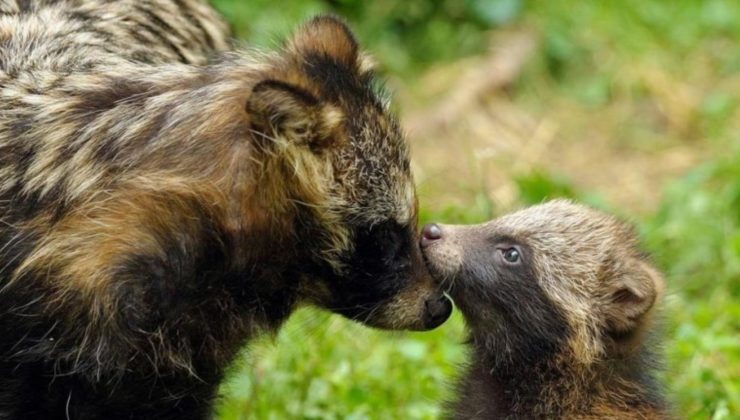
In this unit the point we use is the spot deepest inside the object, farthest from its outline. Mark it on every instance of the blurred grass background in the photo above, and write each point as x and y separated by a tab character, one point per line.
631	106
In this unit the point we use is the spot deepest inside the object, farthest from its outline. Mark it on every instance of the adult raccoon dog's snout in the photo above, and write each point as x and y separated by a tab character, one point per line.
386	283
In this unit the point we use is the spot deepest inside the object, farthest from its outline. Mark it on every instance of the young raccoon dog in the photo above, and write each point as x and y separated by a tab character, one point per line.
559	302
164	200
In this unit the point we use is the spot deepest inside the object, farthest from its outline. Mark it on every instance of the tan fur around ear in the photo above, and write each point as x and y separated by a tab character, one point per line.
282	111
632	293
327	35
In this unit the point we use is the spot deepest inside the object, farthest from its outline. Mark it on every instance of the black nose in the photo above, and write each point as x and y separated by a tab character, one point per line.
430	233
437	311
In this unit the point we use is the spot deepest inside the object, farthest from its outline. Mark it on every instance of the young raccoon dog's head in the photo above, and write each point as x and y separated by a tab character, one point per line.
557	278
346	164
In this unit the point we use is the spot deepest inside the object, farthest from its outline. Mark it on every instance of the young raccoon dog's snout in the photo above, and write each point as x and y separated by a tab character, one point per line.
475	266
470	262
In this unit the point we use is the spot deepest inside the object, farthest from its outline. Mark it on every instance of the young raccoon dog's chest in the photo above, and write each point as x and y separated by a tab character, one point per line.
559	302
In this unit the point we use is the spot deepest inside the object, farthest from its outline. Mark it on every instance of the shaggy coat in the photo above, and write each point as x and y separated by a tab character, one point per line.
163	200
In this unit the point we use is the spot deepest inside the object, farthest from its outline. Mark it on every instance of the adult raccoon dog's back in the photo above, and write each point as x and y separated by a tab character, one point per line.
157	211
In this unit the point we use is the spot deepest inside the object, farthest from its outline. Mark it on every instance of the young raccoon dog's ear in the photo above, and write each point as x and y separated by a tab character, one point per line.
631	294
282	112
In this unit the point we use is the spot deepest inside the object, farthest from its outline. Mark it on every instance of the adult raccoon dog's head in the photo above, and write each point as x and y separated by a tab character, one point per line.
345	165
553	278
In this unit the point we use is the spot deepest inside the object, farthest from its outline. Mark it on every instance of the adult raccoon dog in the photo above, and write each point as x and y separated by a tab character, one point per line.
559	302
161	202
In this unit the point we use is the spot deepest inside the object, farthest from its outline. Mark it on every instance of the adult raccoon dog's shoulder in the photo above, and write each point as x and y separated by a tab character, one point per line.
155	214
559	302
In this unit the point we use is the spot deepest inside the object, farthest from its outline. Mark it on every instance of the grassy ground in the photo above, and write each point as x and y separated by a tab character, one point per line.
631	106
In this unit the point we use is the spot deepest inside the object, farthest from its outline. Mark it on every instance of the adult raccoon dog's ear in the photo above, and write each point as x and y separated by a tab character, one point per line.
631	292
282	111
326	36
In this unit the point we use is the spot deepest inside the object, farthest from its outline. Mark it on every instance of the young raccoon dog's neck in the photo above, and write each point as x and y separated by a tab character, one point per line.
514	383
559	302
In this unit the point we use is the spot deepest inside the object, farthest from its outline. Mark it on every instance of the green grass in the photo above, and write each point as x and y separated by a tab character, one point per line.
625	57
696	238
323	367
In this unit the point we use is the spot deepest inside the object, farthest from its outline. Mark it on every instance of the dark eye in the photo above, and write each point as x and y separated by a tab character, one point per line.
386	244
511	255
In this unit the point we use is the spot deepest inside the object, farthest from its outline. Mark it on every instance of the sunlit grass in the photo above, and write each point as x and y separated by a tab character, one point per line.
324	367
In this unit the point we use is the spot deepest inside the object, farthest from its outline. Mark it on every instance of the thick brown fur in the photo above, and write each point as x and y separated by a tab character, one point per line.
561	329
164	199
